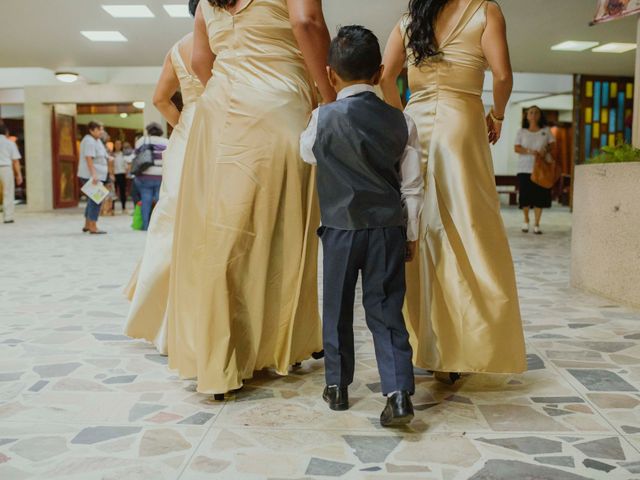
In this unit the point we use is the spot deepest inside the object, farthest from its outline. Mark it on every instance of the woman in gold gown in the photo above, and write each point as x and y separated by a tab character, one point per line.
149	286
462	302
243	285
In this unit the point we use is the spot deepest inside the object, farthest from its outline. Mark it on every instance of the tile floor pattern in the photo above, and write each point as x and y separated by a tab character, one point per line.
78	400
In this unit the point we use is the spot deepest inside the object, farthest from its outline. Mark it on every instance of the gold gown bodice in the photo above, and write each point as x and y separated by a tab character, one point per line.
190	86
256	47
461	64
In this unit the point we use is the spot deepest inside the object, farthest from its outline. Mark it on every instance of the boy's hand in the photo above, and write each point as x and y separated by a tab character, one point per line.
412	247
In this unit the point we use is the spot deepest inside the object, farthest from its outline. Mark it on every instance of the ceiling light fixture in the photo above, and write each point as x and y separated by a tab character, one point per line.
139	105
615	48
177	11
128	11
104	36
574	46
67	77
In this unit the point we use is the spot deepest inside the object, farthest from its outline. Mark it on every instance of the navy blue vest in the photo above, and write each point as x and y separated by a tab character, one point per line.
359	144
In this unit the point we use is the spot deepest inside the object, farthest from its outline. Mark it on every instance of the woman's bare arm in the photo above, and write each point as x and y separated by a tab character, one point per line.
202	57
312	34
496	51
394	59
167	86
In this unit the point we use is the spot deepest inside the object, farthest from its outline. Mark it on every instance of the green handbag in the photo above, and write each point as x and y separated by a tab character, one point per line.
137	222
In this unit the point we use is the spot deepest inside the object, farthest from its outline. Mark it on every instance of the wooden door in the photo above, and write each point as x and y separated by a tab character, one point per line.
66	191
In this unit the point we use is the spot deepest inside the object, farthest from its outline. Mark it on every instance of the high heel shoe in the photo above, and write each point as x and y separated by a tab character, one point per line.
448	378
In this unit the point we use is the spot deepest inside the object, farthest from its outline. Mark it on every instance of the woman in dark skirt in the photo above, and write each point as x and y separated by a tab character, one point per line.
534	139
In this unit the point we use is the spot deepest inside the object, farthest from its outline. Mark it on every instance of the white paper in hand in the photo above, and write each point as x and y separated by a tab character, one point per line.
97	192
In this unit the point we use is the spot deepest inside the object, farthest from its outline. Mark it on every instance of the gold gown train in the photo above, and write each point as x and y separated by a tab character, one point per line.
243	284
148	288
462	302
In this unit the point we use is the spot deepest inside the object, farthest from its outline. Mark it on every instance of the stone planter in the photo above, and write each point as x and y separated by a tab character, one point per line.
605	246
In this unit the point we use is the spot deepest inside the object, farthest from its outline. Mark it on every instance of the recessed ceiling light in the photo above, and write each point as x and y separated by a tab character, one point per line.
128	11
67	77
124	115
574	46
139	105
615	48
104	36
177	11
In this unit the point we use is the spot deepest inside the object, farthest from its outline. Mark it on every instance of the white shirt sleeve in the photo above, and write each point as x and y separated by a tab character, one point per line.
308	140
91	148
411	181
519	138
15	153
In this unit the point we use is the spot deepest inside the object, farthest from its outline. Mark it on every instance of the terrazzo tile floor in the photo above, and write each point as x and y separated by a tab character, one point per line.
78	400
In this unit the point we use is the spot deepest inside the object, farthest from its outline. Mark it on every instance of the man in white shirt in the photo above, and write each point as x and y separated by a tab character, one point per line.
94	167
9	164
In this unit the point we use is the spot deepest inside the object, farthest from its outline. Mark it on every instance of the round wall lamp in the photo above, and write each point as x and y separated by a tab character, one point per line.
139	105
67	77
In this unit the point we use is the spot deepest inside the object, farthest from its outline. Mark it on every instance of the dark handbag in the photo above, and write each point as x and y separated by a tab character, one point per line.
143	159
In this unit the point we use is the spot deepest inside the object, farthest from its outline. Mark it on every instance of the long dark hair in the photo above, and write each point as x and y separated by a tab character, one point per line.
541	123
421	31
193	6
223	3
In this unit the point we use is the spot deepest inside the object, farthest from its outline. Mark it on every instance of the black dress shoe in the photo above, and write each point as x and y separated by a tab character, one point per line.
336	397
9	221
399	410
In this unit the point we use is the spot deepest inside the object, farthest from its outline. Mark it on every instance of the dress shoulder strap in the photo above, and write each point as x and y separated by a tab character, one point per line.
472	8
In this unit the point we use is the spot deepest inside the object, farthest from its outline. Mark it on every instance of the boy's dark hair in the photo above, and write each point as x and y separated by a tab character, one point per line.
355	53
193	6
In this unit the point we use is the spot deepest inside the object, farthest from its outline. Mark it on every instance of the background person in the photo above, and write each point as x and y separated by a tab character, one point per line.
534	140
120	168
93	166
148	182
10	173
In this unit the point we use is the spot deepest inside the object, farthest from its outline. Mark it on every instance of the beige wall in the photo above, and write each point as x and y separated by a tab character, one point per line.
605	250
37	122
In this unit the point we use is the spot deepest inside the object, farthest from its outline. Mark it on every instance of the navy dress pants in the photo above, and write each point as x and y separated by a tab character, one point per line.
379	253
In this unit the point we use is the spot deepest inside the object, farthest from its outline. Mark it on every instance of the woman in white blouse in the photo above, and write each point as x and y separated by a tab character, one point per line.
533	140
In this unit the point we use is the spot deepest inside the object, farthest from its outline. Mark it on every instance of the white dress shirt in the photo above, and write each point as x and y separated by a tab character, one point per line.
8	152
411	181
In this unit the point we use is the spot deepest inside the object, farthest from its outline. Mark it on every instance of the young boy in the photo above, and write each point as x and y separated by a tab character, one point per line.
370	188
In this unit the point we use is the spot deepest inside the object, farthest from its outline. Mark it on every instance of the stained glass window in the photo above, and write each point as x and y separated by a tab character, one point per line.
606	104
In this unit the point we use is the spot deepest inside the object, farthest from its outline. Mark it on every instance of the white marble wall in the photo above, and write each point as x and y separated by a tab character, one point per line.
605	251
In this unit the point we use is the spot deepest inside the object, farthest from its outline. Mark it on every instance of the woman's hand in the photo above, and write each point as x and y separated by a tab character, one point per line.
494	129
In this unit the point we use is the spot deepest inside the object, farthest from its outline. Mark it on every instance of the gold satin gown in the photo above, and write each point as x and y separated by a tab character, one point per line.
462	302
244	273
148	289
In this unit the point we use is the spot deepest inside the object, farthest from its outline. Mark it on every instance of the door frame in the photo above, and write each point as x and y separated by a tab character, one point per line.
55	161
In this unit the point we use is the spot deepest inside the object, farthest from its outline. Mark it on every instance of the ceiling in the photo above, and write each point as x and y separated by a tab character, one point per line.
46	33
